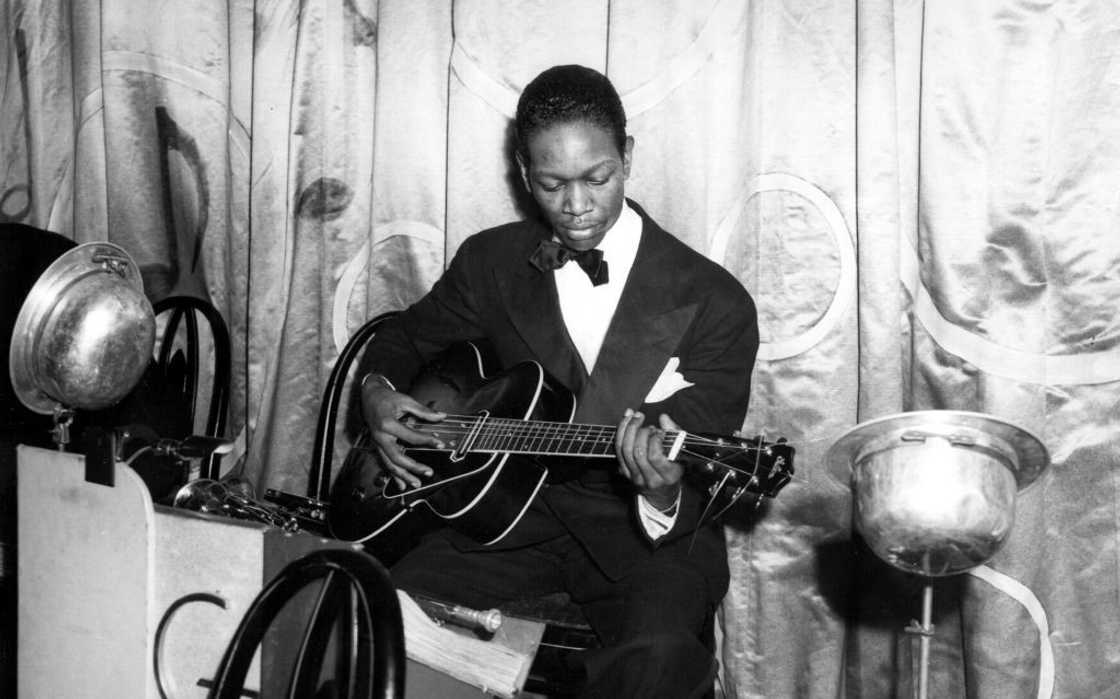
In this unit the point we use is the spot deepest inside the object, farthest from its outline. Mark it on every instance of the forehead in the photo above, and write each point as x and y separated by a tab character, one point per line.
573	145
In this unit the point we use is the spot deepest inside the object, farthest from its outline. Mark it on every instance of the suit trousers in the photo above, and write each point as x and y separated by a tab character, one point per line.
652	622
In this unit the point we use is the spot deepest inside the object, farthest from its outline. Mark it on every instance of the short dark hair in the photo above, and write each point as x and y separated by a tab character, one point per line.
565	94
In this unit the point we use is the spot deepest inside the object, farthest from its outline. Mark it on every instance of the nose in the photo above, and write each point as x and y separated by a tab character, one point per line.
577	200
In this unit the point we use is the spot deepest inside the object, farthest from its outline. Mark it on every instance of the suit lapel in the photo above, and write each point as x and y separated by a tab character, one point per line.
534	310
643	334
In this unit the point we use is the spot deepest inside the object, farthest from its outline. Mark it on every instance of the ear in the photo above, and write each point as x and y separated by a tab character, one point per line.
523	168
627	155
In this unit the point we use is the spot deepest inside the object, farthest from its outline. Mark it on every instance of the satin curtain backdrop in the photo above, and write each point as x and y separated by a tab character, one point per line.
922	198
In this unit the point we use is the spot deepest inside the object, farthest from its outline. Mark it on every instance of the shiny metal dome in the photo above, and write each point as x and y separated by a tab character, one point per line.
85	332
934	491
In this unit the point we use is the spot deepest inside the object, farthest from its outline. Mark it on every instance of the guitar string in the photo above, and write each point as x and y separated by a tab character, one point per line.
510	428
668	442
718	462
724	464
697	455
723	484
742	448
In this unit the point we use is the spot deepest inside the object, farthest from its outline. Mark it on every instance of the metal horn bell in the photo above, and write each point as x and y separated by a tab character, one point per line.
934	491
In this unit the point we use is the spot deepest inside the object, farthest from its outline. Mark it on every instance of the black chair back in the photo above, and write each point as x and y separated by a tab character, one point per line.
354	585
192	348
177	370
319	477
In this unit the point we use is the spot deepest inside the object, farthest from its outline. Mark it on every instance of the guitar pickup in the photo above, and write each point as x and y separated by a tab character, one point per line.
463	448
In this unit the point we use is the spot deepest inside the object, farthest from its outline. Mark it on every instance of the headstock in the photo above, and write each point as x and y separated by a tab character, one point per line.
739	463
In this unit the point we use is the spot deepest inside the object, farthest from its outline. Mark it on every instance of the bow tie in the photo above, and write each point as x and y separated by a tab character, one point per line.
551	255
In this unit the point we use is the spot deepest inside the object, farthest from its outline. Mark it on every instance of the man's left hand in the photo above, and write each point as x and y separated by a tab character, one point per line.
641	454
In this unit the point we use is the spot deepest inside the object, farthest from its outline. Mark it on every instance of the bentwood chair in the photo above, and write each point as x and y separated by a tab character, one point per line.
322	457
187	378
312	509
356	592
178	367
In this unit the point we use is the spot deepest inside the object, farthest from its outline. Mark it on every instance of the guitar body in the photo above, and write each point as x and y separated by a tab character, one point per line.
481	494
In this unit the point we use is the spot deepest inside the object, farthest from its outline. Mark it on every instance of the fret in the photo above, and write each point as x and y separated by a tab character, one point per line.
508	437
573	440
505	436
482	429
604	442
608	441
513	436
552	437
567	440
583	440
528	438
485	441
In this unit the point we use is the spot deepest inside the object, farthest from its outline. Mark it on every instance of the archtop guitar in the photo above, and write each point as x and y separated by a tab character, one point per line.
504	437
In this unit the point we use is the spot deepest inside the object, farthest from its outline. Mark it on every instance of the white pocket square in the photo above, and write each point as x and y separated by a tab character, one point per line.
668	383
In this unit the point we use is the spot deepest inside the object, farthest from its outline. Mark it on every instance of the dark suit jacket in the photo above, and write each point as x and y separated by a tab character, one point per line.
676	303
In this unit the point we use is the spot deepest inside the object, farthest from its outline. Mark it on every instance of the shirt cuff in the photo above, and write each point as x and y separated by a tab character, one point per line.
657	523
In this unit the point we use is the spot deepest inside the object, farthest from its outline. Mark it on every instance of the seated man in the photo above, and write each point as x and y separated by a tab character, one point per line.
652	335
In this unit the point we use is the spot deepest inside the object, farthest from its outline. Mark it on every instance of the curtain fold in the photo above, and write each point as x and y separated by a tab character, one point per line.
921	197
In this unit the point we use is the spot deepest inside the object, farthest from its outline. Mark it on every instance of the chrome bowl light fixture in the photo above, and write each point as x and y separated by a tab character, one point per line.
84	334
933	492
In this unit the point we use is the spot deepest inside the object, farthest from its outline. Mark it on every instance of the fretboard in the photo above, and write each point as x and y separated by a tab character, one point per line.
503	435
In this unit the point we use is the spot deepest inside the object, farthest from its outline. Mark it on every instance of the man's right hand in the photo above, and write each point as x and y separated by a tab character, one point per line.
384	409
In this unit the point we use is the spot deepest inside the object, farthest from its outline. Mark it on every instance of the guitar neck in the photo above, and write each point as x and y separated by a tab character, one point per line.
754	465
530	437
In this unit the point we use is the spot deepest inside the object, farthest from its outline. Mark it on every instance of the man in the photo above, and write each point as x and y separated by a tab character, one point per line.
669	335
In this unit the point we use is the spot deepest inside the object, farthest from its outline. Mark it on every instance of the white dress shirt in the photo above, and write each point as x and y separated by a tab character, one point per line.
587	312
